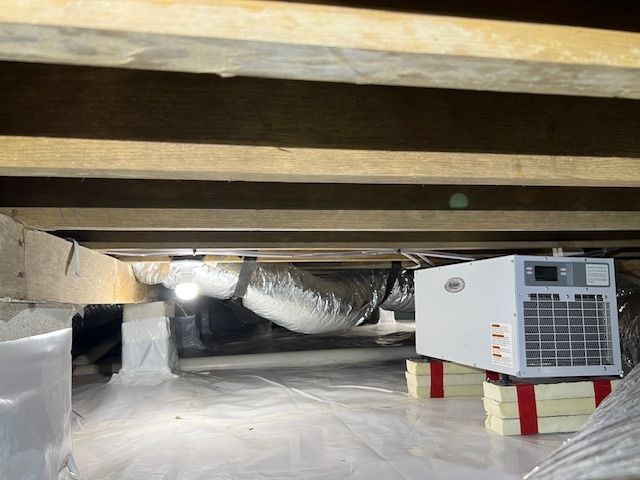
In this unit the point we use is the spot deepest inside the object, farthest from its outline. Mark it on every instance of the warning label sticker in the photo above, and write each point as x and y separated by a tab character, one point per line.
501	344
597	274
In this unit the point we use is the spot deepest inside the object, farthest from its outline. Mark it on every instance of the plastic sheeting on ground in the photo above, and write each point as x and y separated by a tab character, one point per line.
608	446
317	423
35	407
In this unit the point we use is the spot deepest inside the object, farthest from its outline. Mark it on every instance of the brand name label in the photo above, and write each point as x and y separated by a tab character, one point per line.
454	285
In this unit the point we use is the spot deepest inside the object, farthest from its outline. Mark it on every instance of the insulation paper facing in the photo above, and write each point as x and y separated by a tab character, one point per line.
291	297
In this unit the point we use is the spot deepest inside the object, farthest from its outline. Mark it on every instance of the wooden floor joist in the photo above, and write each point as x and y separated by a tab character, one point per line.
70	193
41	268
321	42
140	124
32	156
62	101
46	218
134	242
196	214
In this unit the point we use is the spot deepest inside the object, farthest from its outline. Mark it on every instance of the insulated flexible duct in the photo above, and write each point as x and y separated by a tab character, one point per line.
607	446
288	296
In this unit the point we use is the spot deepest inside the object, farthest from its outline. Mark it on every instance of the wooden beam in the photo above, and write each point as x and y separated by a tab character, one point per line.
118	104
287	257
46	218
508	139
41	268
256	209
137	241
171	194
614	15
13	283
126	123
320	42
30	156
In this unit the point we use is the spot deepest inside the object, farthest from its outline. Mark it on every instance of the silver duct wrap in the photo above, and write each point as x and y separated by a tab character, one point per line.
629	325
290	297
607	446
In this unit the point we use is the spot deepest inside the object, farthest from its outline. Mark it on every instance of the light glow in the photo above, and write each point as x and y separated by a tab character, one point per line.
187	290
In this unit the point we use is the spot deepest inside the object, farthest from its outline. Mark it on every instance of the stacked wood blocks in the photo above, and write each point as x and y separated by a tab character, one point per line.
526	409
437	379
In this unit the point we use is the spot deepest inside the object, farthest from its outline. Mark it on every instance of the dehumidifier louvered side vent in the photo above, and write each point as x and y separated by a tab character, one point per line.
567	333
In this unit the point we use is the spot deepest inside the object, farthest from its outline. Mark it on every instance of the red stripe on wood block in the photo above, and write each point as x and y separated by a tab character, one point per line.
601	388
527	409
437	378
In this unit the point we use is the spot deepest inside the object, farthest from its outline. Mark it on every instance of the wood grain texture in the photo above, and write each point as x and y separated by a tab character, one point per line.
195	219
133	241
12	272
321	42
171	194
49	271
31	156
612	15
120	104
126	123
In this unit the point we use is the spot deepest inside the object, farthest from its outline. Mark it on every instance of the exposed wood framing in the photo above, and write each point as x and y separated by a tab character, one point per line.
40	268
119	104
31	156
44	218
614	15
133	242
292	255
320	42
199	214
13	283
126	123
17	192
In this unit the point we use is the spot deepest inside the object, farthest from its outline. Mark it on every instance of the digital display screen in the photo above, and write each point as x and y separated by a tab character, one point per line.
546	274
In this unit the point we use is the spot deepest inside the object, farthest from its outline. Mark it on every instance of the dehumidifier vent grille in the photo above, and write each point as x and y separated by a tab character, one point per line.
567	332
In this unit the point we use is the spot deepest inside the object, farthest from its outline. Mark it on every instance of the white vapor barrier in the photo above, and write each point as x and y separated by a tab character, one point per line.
35	407
350	421
148	352
303	358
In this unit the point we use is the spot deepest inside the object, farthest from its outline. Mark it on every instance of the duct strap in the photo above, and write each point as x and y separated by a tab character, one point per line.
391	280
248	266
